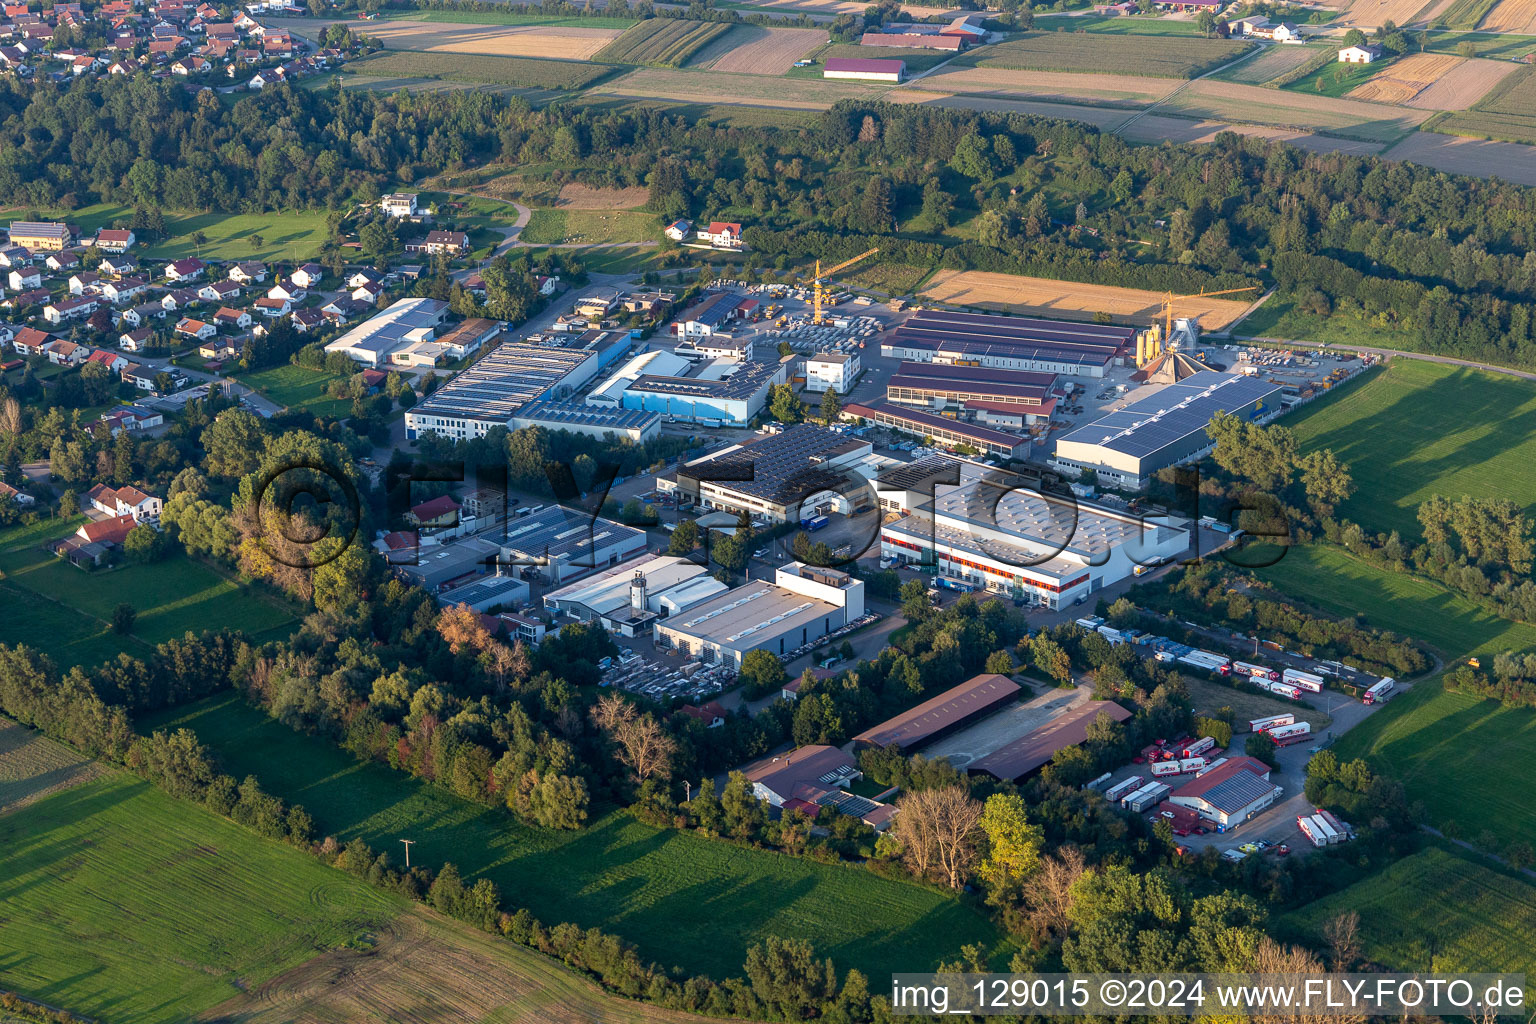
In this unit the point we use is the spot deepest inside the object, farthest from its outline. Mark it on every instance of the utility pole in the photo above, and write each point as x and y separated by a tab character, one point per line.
407	843
687	791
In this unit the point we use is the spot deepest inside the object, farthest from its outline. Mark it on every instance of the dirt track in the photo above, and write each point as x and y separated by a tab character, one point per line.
571	43
1044	296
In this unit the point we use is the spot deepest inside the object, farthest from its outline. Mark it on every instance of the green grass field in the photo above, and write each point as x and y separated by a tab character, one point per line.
1336	79
298	387
172	596
917	59
1282	320
1465	14
890	278
1172	57
124	904
682	898
1415	428
1342	584
1135	25
603	227
1272	64
662	42
290	235
1439	909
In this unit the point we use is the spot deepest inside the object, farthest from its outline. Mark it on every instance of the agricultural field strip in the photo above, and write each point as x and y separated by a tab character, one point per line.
752	49
33	767
667	42
1511	161
1465	85
1405	78
1171	57
1228	100
1126	89
695	86
1044	296
1510	16
522	72
556	42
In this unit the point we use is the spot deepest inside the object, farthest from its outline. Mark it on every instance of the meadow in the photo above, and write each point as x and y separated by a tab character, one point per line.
683	899
662	42
1335	79
298	387
1462	915
889	278
601	227
1417	428
1271	64
1173	57
521	72
290	236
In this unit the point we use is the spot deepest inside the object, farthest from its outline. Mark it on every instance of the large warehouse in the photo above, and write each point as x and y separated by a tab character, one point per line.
658	363
951	710
404	323
1026	755
1230	793
1009	342
775	476
951	433
564	544
633	594
590	421
803	604
723	394
990	532
1166	428
941	387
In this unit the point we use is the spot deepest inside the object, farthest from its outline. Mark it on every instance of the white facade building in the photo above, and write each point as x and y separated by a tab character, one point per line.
832	371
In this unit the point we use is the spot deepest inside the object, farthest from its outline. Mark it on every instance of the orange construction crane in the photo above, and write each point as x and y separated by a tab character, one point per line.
817	292
1171	298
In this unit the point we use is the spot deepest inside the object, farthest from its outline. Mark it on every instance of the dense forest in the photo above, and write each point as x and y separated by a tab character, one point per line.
1445	260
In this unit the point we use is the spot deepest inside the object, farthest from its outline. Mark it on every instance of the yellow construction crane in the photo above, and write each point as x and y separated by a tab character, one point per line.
817	293
1171	298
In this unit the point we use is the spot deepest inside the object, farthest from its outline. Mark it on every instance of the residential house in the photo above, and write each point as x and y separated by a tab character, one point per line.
66	353
141	315
678	230
30	341
135	341
124	501
69	309
191	328
306	320
111	360
1360	54
178	298
133	417
117	292
400	204
344	308
248	272
308	276
219	291
117	266
115	240
221	348
286	288
368	293
270	307
31	297
12	256
185	270
235	318
358	278
441	511
453	243
722	234
19	497
712	715
85	281
23	278
57	261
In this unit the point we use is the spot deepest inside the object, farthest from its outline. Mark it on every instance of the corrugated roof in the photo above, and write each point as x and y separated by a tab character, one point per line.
976	696
1032	750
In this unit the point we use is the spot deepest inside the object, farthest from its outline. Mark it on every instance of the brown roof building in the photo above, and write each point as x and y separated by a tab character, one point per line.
1027	754
951	710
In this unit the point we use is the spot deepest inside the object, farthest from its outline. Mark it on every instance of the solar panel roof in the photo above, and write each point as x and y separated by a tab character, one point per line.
1237	792
1174	412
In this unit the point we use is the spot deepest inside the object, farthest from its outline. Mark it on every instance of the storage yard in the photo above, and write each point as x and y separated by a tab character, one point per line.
1039	296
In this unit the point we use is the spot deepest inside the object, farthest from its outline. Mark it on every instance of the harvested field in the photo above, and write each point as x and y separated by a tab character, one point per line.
716	87
1269	65
556	41
1507	114
421	968
1158	127
1463	85
1371	14
585	197
1220	101
1508	160
1171	57
664	42
852	7
1101	117
1405	78
1118	90
33	766
753	49
1045	297
1511	16
522	72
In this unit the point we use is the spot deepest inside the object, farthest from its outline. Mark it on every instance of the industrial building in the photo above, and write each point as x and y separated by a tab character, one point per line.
803	604
1016	761
950	433
990	532
1009	343
949	712
832	371
487	593
628	598
812	777
658	363
493	390
564	544
1229	794
40	235
1125	448
711	316
631	424
775	476
955	389
405	322
723	394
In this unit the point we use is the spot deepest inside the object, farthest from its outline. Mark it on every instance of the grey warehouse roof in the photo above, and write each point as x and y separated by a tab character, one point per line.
744	383
1175	412
555	532
506	378
554	414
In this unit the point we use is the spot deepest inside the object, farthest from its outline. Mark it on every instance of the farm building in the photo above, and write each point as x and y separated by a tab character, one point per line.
865	68
1164	429
1016	761
944	388
991	531
633	594
950	711
832	371
1192	6
803	604
951	433
1229	794
1360	54
774	476
724	393
36	235
927	41
1009	342
967	26
812	777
